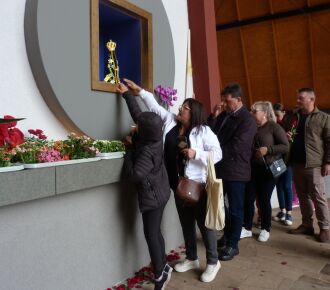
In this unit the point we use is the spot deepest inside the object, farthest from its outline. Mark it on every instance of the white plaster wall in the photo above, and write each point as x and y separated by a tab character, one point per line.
178	18
19	94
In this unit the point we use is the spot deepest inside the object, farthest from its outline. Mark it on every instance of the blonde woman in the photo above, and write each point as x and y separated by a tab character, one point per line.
270	143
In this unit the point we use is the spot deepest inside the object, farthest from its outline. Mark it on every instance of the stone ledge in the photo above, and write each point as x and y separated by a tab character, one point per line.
31	184
27	184
86	175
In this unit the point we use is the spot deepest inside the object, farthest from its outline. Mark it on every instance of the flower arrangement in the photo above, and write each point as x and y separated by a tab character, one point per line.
105	146
167	96
9	134
28	152
78	147
36	148
5	157
37	133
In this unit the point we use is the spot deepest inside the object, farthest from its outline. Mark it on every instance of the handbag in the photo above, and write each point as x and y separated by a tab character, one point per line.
277	167
215	208
189	191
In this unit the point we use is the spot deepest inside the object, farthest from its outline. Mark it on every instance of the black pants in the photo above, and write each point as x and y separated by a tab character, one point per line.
188	216
260	186
151	225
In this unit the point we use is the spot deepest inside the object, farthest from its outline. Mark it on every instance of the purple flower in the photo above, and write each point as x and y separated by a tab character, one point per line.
167	95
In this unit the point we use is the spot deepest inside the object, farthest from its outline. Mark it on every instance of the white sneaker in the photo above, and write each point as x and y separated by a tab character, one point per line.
210	272
186	265
264	236
245	233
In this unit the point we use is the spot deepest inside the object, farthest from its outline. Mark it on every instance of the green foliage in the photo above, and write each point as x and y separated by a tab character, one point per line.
105	146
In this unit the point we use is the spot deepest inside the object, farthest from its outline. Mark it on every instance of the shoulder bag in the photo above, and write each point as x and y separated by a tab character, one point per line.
189	191
215	209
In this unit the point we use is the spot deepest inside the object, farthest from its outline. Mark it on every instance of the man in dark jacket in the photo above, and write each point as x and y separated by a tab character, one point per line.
310	159
235	128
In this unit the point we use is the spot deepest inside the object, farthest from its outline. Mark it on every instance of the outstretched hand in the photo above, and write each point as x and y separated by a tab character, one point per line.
121	88
133	86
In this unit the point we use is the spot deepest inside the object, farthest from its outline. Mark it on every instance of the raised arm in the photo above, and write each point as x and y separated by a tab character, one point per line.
150	102
131	102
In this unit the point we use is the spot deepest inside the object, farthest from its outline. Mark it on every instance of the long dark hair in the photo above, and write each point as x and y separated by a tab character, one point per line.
197	113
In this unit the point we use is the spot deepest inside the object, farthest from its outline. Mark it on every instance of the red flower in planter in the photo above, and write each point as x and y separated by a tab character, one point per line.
9	134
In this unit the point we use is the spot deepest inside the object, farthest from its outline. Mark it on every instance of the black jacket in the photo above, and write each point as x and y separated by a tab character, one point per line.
145	164
236	139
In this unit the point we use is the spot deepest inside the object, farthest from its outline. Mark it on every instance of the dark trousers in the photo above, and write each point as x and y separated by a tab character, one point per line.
284	190
262	186
151	226
235	192
188	216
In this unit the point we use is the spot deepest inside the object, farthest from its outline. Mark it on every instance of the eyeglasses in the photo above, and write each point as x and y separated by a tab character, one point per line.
184	107
255	111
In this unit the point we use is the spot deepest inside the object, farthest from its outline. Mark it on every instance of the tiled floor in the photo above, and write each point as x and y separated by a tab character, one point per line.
284	262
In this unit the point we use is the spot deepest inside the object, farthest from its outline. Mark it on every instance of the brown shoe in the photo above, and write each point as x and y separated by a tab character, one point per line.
323	237
302	230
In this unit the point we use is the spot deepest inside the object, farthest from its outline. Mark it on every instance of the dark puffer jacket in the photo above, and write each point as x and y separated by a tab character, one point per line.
145	165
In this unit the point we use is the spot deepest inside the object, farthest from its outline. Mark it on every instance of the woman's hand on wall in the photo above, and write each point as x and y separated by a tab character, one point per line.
133	86
121	88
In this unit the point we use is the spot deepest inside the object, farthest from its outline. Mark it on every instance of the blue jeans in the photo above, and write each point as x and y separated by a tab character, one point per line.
235	192
284	190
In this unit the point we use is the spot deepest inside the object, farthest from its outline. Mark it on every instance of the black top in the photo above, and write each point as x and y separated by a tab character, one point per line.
298	150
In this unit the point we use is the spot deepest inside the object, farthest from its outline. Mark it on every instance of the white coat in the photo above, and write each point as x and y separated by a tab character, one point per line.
202	140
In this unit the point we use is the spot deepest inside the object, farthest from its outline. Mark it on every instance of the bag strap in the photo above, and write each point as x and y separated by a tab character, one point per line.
210	164
263	158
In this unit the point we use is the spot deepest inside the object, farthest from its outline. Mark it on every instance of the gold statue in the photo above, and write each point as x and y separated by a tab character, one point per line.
113	76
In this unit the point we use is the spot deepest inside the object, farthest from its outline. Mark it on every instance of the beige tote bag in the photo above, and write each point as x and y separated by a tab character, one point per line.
215	209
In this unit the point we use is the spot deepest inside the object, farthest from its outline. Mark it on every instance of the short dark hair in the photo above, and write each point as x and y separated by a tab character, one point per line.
278	107
306	90
197	113
233	89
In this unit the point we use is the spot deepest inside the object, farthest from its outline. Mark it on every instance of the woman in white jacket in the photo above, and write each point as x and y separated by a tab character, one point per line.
189	125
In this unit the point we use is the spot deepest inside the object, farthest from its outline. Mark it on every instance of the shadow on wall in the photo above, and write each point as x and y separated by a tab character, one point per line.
128	210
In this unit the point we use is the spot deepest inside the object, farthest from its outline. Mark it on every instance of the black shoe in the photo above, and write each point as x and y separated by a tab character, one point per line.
228	253
221	243
164	279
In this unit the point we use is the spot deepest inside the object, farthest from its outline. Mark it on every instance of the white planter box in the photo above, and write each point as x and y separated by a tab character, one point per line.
11	168
59	163
110	155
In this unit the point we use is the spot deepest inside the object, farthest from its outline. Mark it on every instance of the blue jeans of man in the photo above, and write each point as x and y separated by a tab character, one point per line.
235	192
284	190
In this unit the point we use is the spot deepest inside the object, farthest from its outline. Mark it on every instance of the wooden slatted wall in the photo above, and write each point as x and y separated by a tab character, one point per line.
272	59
